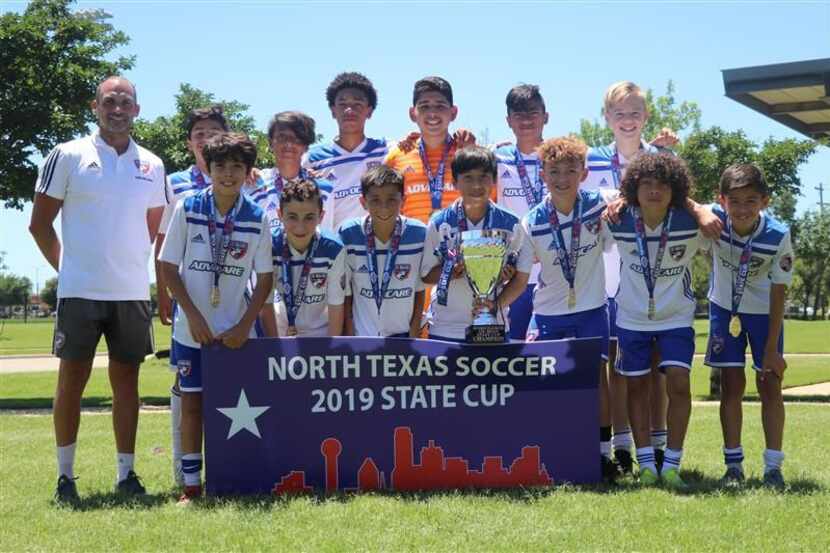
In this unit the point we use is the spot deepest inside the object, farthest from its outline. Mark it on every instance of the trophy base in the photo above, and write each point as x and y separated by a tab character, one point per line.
486	334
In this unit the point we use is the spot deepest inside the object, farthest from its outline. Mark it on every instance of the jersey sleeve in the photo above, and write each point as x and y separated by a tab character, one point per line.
167	214
336	283
175	241
430	258
523	247
53	175
781	271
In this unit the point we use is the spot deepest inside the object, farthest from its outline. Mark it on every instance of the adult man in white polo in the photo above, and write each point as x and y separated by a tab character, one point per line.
111	193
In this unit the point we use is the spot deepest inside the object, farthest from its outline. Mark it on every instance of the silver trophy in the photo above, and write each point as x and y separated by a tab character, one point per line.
484	253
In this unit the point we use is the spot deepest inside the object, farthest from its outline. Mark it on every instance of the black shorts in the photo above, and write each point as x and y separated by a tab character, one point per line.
126	326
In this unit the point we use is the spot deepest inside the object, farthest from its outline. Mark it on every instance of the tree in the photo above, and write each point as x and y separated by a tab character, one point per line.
165	136
663	112
49	293
812	267
708	152
51	60
14	290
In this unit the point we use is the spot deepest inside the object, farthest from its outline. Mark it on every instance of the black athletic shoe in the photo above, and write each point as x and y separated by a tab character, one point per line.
659	455
66	492
624	461
774	479
131	485
734	478
610	469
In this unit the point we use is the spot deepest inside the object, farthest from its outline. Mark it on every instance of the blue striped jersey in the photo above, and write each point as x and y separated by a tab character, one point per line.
771	262
673	296
551	294
326	285
344	169
187	245
181	184
267	197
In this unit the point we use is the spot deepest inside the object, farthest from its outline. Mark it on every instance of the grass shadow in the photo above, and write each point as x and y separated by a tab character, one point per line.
111	500
788	398
87	402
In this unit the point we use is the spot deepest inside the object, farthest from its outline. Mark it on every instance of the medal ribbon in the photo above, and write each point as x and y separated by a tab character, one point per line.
650	275
219	248
197	177
567	260
436	182
292	305
372	260
739	282
533	194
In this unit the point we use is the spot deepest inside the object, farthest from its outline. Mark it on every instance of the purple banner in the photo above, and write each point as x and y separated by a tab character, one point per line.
296	415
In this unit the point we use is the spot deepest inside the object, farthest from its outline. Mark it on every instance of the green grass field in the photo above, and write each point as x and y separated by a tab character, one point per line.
562	518
17	338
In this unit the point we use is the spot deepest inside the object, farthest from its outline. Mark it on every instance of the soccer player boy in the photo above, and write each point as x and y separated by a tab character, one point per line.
657	238
452	303
352	99
216	238
428	186
520	186
309	266
383	261
752	267
563	231
290	133
202	124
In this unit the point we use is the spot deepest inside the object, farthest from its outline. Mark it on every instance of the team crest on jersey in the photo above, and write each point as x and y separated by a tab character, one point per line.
402	270
318	279
593	226
184	367
237	248
143	166
786	263
677	252
716	343
198	239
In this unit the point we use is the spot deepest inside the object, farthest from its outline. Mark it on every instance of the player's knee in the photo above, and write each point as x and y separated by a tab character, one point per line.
769	388
677	384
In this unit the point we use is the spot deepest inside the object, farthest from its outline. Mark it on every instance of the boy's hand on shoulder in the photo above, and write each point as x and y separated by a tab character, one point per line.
666	138
464	138
199	329
235	337
458	270
408	142
773	363
253	177
709	223
613	211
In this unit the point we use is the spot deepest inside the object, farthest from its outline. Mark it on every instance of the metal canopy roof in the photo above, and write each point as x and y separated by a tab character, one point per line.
795	94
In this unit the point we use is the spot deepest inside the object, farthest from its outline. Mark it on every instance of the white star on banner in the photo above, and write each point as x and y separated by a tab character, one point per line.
243	416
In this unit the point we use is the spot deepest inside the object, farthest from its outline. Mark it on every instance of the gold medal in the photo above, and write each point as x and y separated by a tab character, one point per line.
735	326
651	309
214	296
571	299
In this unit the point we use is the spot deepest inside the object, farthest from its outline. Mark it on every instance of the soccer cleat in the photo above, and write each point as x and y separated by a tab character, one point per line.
610	469
672	479
774	479
131	485
66	493
624	461
659	455
648	477
190	493
733	478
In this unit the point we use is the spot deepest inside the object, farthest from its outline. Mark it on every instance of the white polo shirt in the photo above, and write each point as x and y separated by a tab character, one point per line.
105	241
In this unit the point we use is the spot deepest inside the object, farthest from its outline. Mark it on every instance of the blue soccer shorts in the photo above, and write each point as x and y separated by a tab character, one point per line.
724	350
187	362
584	324
675	345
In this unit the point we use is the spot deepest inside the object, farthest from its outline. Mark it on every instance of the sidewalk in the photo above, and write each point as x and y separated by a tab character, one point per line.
39	363
820	389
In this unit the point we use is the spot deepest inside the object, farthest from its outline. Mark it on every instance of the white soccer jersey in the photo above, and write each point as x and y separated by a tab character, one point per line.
770	262
673	296
267	197
187	244
605	169
551	294
344	169
510	191
326	286
105	241
452	320
397	306
182	184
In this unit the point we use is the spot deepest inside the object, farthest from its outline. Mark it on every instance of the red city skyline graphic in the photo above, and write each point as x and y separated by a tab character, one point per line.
435	471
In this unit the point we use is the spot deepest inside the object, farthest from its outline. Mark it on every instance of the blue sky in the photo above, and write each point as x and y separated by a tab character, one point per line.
281	55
